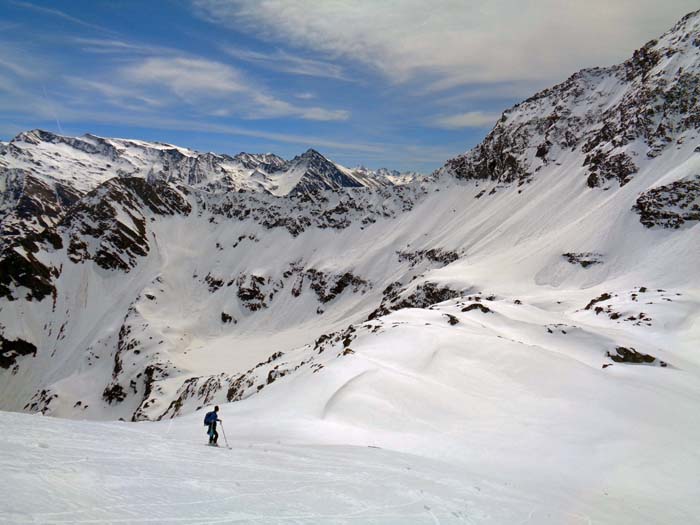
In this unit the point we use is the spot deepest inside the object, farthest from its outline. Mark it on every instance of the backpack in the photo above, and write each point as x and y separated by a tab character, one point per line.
209	418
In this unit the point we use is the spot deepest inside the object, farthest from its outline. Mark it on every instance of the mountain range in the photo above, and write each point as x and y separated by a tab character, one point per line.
141	280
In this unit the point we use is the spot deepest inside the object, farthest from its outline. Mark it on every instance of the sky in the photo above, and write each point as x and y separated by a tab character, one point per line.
381	83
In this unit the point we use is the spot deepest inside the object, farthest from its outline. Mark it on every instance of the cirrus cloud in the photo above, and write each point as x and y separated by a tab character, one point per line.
446	43
470	119
217	88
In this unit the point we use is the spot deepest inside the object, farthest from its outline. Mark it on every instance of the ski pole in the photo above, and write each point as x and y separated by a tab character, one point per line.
224	433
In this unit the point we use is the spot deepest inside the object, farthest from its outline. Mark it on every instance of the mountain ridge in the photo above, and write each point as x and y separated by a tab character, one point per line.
160	160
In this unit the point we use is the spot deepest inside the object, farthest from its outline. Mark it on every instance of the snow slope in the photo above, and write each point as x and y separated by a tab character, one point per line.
493	419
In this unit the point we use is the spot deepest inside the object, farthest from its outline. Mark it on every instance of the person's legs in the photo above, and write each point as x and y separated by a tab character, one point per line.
211	433
216	436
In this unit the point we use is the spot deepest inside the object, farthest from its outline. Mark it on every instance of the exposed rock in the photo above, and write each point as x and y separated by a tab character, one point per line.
671	205
114	393
477	306
630	355
451	319
437	256
11	349
602	297
425	295
585	259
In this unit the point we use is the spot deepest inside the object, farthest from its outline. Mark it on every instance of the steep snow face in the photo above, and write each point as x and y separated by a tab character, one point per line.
153	295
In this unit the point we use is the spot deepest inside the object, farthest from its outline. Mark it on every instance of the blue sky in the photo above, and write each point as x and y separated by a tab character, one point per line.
401	84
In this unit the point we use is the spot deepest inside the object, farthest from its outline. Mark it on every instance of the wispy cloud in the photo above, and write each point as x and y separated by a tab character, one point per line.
446	43
225	129
116	46
470	119
59	14
186	77
116	95
30	106
16	68
218	88
285	62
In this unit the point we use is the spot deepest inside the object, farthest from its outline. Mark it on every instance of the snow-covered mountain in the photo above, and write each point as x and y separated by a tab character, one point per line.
142	280
533	304
618	119
83	163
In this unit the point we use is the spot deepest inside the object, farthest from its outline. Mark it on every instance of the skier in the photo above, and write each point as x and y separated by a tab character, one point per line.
210	421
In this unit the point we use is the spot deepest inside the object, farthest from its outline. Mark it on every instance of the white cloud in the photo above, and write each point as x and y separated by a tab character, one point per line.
114	46
187	77
118	95
326	114
471	119
446	43
306	95
15	68
285	62
212	87
16	61
142	78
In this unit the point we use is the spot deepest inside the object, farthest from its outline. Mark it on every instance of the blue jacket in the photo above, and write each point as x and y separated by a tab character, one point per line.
210	418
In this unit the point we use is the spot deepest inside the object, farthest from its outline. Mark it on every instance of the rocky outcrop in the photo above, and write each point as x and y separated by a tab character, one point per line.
585	259
12	349
671	205
395	297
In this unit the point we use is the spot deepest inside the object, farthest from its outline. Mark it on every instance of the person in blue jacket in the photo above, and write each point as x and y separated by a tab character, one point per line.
210	421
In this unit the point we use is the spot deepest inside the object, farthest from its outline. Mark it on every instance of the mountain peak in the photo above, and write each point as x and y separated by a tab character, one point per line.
606	116
35	136
311	152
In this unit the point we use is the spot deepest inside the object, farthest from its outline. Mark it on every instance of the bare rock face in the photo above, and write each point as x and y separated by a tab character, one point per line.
319	174
434	257
115	215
